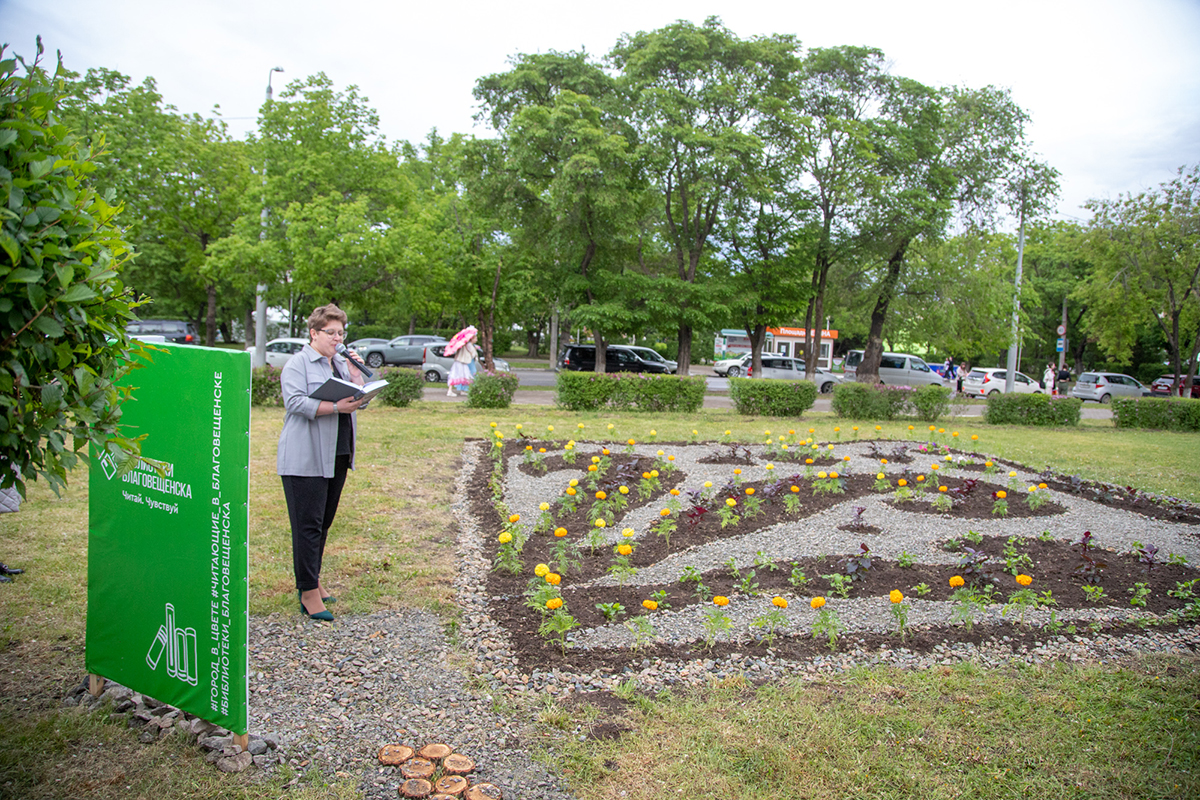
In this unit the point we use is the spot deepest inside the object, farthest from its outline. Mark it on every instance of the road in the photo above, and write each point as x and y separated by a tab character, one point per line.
545	377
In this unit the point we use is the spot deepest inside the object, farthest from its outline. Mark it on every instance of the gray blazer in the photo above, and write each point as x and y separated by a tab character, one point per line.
308	443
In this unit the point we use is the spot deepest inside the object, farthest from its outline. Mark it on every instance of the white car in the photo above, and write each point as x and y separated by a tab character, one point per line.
732	367
785	368
987	382
280	350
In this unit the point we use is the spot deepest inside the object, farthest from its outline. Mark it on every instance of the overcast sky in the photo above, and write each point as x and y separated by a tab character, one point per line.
1113	86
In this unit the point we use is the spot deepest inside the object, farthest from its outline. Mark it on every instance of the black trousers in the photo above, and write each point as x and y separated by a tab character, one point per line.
312	504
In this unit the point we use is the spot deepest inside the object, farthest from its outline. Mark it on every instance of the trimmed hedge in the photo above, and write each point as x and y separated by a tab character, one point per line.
861	401
628	391
1160	413
404	386
772	398
265	389
492	390
1032	409
931	403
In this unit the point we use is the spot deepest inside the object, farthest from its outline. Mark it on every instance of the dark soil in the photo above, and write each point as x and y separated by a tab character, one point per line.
975	501
1055	566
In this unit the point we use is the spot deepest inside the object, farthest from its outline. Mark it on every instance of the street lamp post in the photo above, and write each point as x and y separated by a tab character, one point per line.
260	305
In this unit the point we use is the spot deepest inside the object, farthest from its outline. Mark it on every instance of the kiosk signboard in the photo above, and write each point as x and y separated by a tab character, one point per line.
167	541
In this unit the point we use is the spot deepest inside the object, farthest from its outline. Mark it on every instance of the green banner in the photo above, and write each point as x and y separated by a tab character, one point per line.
168	555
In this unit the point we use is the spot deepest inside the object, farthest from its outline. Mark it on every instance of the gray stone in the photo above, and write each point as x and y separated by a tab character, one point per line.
202	727
265	762
257	746
273	740
149	734
214	742
235	763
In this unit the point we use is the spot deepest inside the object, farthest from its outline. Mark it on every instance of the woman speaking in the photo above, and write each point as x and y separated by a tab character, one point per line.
316	448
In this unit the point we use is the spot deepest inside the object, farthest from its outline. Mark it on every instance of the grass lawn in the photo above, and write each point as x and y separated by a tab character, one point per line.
1132	731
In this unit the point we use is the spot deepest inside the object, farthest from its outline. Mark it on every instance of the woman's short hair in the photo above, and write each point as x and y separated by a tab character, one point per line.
322	315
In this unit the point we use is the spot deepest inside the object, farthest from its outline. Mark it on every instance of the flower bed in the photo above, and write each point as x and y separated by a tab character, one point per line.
726	553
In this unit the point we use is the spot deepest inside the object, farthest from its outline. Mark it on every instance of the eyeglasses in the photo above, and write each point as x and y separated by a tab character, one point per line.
333	334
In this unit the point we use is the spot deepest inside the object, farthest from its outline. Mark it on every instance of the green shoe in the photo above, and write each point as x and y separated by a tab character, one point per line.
324	616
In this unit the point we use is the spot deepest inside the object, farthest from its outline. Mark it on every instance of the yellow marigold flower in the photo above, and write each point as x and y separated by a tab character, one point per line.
902	482
895	595
499	435
595	459
654	433
600	523
631	441
770	466
519	426
795	488
974	437
791	431
737	472
708	484
817	602
833	474
728	432
666	512
653	473
605	451
611	426
956	581
779	602
660	453
854	428
812	430
580	426
553	578
574	482
766	433
749	490
623	489
878	427
941	430
550	428
514	518
808	461
1032	489
879	476
721	600
920	478
830	447
542	449
670	458
934	467
695	432
1024	580
912	427
837	430
954	434
1012	474
540	570
1041	486
675	493
571	491
554	603
544	506
1000	495
560	532
943	489
493	424
987	463
628	533
933	427
601	496
730	502
883	461
650	605
528	447
822	474
815	446
624	549
646	475
592	468
845	458
948	457
504	538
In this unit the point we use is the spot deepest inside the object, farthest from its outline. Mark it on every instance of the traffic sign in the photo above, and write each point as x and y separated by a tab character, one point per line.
1062	345
1062	330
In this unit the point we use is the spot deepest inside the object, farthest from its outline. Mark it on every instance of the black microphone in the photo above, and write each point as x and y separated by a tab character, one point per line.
342	351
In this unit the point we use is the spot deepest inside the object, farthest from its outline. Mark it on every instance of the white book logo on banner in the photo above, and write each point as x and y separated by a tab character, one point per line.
179	645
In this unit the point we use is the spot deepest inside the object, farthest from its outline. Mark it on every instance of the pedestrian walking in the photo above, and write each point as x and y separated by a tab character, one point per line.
964	369
1048	379
462	372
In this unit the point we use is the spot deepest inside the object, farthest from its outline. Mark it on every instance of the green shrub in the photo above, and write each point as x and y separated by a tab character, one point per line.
1160	413
772	398
492	390
264	387
589	391
404	386
1032	409
862	401
931	403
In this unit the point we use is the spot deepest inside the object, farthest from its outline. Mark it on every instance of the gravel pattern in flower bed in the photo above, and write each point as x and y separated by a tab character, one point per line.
502	631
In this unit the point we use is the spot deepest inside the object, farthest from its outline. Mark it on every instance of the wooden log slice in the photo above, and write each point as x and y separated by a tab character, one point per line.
484	791
442	797
435	751
416	787
458	764
418	768
393	755
453	785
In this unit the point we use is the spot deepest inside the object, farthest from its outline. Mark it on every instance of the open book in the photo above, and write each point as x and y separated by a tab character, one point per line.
336	388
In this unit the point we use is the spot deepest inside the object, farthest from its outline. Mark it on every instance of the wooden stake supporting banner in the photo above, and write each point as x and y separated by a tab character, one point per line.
242	740
95	685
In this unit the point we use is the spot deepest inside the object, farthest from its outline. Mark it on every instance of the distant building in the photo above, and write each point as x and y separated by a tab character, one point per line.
732	342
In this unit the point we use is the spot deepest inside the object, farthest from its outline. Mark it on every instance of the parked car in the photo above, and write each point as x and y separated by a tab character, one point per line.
401	351
617	358
896	369
1162	386
793	369
360	346
732	367
650	354
172	330
280	350
987	382
435	364
1104	386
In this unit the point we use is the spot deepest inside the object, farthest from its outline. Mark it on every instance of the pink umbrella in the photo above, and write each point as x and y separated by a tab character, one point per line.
459	339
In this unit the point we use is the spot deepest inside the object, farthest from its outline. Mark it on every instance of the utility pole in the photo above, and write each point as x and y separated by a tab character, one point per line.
260	305
1011	376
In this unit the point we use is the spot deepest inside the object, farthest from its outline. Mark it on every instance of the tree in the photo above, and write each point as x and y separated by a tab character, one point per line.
1146	249
64	306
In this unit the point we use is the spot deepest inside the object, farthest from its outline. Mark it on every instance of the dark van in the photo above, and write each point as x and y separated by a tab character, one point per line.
617	358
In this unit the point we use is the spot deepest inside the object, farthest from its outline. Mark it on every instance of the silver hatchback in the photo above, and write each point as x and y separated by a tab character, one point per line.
1104	386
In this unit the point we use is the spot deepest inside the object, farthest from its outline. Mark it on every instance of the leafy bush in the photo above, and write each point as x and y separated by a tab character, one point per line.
492	390
861	401
772	398
588	391
1160	413
1032	409
265	389
931	403
404	386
